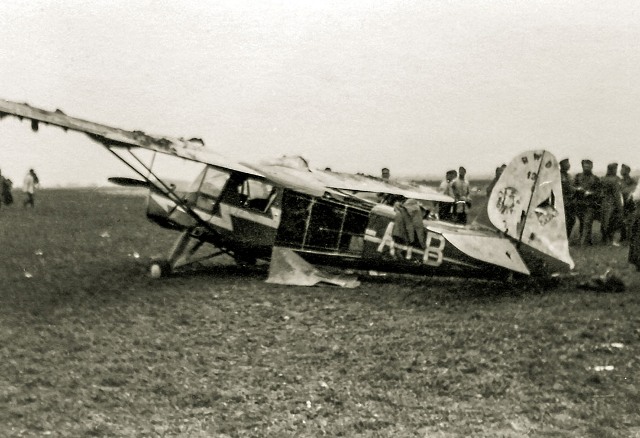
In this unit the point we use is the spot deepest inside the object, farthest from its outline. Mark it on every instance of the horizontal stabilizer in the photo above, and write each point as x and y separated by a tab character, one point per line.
494	249
289	268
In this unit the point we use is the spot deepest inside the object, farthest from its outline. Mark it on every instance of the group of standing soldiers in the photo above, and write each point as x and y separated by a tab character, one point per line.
588	198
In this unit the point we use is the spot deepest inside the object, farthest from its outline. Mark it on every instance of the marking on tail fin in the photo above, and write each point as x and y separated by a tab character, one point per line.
508	199
526	204
546	210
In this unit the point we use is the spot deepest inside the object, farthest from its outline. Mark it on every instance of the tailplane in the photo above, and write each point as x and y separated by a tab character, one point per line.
526	204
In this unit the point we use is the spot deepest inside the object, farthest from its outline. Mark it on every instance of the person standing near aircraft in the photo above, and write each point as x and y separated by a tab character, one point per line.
628	186
460	192
568	194
634	234
611	203
445	185
492	184
587	187
29	186
445	208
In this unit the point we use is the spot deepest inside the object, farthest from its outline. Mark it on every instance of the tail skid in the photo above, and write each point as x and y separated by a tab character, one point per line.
526	204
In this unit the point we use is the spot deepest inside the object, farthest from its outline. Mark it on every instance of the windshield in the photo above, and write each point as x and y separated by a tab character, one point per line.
208	186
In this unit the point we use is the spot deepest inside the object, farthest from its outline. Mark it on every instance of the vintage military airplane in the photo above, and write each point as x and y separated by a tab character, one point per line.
293	216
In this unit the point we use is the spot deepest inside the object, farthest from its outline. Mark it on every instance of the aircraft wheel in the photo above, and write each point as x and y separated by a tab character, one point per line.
159	269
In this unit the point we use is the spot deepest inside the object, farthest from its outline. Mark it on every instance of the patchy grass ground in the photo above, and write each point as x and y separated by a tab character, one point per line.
90	346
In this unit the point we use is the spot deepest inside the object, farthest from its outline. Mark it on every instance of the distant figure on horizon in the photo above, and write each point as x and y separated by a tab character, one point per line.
385	174
29	185
6	197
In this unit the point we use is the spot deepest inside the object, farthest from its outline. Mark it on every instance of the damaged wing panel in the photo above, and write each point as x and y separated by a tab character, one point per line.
294	172
192	149
289	268
361	183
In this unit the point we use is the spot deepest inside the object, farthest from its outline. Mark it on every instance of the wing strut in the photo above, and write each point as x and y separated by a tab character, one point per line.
161	186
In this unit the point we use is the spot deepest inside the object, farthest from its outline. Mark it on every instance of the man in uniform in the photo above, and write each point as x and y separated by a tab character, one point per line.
611	189
628	186
634	234
460	192
445	212
587	204
568	194
1	185
445	185
493	183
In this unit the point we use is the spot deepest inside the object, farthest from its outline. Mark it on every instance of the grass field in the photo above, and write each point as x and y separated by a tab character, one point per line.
90	346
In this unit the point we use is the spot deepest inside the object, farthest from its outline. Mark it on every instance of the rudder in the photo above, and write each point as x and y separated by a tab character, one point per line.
527	205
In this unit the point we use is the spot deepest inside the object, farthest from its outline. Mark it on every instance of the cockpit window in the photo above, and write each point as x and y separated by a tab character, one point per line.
256	194
208	187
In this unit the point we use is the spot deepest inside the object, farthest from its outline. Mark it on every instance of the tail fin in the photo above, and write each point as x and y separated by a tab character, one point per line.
526	204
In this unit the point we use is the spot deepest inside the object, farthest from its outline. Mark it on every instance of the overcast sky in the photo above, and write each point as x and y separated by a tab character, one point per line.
417	86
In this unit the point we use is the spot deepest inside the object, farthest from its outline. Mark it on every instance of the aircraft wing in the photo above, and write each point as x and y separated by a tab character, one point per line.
294	173
192	149
362	183
288	173
299	179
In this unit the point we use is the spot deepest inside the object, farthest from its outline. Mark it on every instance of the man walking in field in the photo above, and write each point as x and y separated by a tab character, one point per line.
29	186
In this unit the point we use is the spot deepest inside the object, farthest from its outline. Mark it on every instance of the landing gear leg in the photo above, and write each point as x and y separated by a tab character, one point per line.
181	254
161	268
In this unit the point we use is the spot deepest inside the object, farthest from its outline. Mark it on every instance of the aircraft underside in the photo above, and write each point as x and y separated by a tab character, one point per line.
338	233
